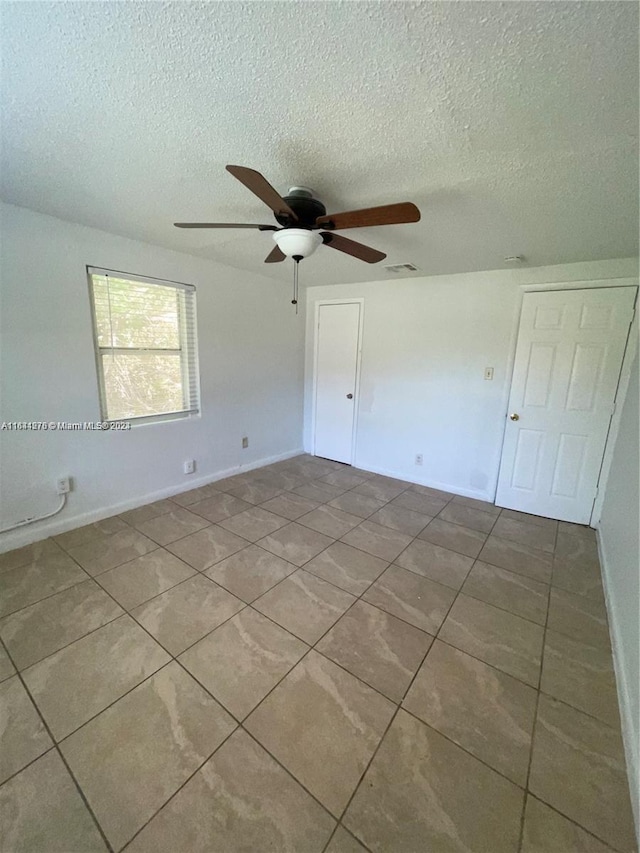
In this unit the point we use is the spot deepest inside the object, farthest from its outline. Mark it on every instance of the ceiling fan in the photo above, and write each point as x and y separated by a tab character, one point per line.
305	224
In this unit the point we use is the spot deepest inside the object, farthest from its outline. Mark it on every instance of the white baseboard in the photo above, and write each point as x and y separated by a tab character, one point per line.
628	713
60	524
423	481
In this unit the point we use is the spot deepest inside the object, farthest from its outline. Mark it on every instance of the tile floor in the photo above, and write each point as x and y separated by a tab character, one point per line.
310	658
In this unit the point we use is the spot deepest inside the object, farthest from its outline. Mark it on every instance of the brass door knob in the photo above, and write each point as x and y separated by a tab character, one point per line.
515	416
349	396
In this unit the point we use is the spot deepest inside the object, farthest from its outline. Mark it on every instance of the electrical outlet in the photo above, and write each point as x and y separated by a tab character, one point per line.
189	466
63	485
488	373
418	458
245	442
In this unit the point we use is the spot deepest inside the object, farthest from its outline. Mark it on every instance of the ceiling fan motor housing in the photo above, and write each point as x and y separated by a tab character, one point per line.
305	206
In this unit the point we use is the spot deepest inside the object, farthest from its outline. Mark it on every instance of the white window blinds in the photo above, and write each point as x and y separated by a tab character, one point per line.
146	348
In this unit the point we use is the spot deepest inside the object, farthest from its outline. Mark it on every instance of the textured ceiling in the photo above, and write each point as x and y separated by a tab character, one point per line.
513	126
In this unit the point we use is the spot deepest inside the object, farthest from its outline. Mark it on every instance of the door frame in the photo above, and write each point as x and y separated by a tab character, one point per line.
623	379
356	391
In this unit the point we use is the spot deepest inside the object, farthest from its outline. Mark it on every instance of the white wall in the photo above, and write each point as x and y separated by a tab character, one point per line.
251	370
426	343
620	556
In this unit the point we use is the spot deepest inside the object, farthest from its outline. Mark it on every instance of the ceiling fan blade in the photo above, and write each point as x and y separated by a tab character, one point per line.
261	187
387	214
223	225
350	247
275	256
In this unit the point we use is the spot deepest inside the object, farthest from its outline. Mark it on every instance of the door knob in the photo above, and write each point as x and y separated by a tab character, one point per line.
349	396
515	416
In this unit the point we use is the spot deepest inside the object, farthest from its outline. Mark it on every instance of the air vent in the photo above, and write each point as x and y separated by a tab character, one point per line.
398	269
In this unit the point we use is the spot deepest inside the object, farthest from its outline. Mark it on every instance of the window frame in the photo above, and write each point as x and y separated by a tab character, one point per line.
158	417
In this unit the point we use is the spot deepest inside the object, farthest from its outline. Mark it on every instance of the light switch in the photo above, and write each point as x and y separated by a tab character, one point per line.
488	373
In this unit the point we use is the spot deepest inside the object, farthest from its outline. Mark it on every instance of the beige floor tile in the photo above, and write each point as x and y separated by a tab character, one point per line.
255	492
231	482
483	710
517	558
145	577
295	544
546	831
207	547
172	525
323	725
27	584
513	515
240	662
305	605
290	506
194	495
429	492
475	503
577	577
250	572
398	518
377	648
281	479
581	675
424	793
343	478
184	614
531	535
137	753
381	491
34	553
475	519
577	549
244	802
148	511
330	521
356	504
43	628
106	553
23	736
319	492
7	669
427	504
344	842
508	590
571	746
411	597
455	537
79	681
436	563
502	639
375	539
579	530
41	810
579	617
253	523
219	507
91	532
347	567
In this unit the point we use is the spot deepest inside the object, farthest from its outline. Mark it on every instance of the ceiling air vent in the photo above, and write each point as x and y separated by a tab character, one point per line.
398	269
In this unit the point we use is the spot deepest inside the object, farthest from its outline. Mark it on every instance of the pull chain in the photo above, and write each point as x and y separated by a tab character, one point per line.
294	301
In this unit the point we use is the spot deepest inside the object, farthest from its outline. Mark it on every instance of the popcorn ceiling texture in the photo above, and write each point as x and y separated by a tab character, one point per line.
513	126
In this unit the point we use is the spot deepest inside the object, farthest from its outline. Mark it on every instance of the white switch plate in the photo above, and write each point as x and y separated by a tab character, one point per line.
418	458
488	373
189	466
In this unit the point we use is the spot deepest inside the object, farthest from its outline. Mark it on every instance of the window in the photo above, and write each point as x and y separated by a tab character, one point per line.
146	351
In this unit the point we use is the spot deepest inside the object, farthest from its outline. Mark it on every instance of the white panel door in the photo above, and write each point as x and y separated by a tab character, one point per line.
568	359
337	343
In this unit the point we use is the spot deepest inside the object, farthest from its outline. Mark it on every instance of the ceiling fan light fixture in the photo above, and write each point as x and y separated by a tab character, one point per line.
297	242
